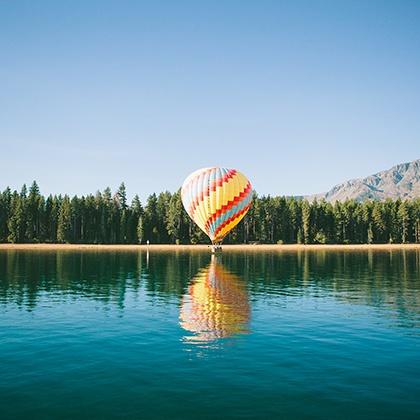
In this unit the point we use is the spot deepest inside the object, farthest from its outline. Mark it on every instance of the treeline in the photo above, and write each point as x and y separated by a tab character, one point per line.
104	218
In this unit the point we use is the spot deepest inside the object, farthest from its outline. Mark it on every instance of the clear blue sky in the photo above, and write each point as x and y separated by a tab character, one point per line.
298	95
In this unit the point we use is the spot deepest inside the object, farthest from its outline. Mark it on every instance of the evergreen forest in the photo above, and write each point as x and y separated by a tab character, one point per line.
26	216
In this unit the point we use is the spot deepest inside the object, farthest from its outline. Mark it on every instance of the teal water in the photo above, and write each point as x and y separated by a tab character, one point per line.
315	334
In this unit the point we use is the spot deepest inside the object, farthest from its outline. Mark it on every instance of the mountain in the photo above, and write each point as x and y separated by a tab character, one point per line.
401	181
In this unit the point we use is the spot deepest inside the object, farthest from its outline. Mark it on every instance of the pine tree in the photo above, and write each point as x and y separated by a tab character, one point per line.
33	213
162	207
5	210
106	217
16	222
416	220
174	222
140	229
295	220
136	210
64	228
306	222
367	221
150	221
122	196
378	223
122	210
404	221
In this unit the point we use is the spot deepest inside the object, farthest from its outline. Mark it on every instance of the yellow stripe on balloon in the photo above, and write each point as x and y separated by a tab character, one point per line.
229	227
223	195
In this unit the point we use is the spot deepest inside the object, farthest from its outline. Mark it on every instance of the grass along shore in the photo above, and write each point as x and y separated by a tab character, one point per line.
203	247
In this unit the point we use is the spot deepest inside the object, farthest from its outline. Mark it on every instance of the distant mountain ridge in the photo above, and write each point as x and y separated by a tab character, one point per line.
401	181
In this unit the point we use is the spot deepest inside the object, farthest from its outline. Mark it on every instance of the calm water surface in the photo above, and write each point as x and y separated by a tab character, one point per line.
315	334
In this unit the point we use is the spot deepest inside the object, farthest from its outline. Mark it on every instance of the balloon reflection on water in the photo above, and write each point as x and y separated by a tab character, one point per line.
216	305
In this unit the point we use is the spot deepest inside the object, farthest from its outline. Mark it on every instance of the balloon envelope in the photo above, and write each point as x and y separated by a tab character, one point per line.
216	199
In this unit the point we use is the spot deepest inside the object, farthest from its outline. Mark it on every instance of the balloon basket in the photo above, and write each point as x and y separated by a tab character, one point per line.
216	249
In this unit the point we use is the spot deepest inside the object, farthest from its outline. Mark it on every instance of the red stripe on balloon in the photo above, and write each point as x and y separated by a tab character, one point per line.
211	187
231	219
229	205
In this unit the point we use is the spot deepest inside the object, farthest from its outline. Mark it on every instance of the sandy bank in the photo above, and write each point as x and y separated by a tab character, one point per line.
226	248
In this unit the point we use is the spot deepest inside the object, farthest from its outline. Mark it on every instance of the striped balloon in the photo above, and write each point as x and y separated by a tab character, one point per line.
216	199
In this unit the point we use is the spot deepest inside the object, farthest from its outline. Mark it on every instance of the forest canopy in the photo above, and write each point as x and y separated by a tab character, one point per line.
106	218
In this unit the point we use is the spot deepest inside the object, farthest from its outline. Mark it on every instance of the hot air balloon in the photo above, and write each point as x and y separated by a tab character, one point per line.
216	199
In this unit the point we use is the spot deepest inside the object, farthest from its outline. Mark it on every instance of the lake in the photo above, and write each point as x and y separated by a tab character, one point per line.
184	335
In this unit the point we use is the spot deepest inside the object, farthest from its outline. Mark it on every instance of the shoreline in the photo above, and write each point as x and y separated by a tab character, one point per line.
204	247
